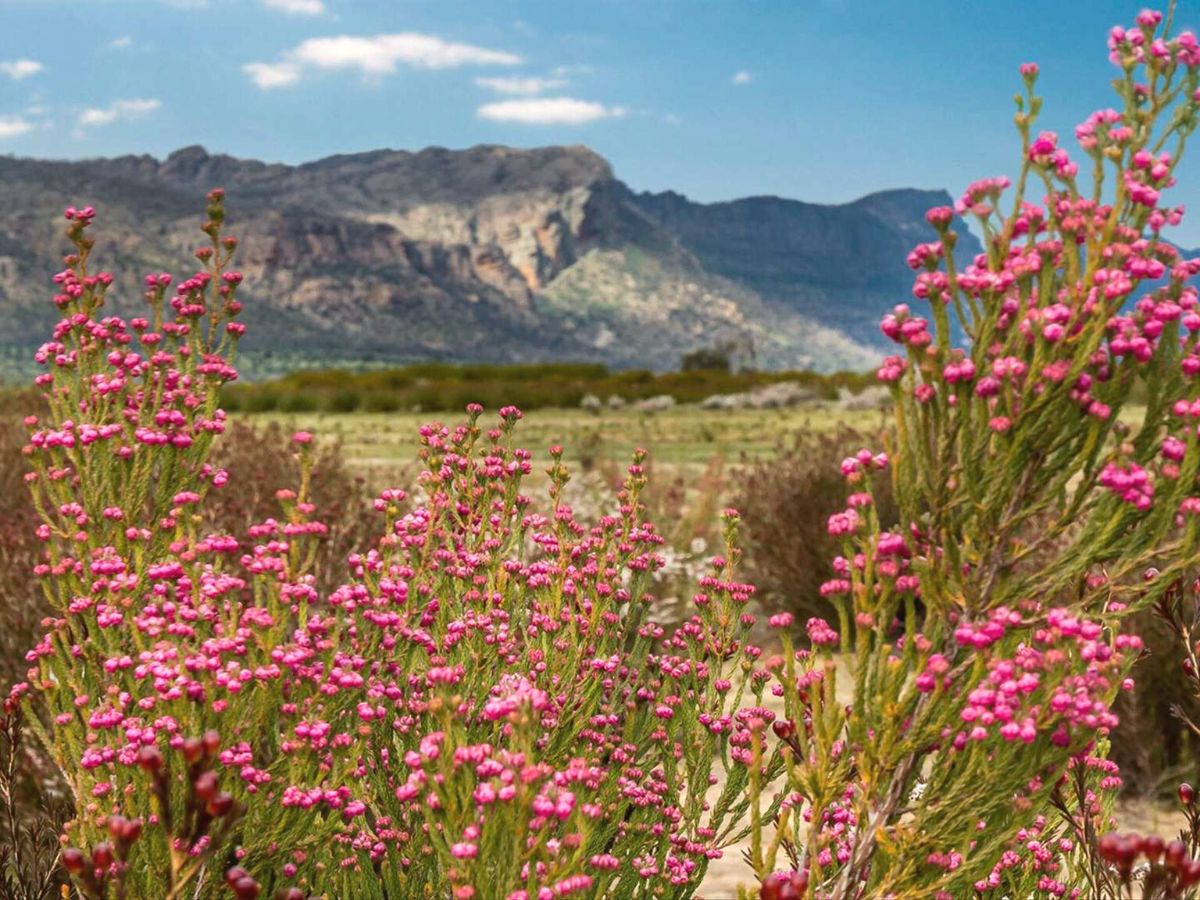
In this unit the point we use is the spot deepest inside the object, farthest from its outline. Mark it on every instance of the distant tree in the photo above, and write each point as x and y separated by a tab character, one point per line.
707	359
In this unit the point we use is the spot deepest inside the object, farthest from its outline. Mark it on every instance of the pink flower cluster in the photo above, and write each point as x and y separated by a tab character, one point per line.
487	704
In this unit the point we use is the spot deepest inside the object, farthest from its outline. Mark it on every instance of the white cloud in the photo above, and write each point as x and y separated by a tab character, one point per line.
297	7
518	85
549	111
14	126
121	43
374	56
118	110
272	75
17	69
741	77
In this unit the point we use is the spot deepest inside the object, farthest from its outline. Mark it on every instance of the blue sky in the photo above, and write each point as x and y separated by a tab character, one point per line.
822	100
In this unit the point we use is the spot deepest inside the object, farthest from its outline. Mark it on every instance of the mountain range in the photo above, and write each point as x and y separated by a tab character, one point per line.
490	254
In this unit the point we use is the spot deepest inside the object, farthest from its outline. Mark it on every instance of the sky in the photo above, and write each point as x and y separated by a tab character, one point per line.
820	100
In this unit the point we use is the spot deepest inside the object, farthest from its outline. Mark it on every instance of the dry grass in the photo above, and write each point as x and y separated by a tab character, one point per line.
682	440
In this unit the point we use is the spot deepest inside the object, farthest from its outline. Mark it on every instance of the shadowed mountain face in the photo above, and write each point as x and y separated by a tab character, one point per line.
486	254
842	266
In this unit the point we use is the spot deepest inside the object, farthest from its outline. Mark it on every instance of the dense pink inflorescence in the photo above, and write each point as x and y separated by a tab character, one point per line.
487	703
955	743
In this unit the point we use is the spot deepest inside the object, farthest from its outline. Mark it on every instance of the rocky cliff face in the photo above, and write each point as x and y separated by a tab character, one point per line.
489	254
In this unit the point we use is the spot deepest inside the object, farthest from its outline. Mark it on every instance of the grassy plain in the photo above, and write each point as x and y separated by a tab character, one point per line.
682	440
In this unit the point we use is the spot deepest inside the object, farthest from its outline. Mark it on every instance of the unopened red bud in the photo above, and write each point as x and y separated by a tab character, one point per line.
292	893
102	856
193	749
1107	846
1189	873
211	741
772	886
1152	847
1119	849
784	886
204	788
150	759
124	830
246	888
1187	794
73	860
1175	854
783	728
220	805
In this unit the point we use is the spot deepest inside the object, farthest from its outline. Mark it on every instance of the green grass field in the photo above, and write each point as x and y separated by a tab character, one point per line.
682	440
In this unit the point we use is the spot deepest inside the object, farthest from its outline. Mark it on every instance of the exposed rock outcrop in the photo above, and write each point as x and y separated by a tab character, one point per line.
485	254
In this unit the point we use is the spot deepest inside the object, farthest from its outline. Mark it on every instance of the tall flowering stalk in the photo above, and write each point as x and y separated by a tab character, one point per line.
1046	477
485	708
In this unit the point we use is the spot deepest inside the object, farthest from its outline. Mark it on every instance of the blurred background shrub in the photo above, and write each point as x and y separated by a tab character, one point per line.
785	500
439	387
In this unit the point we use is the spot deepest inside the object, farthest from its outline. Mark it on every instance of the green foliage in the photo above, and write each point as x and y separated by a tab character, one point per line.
957	742
439	387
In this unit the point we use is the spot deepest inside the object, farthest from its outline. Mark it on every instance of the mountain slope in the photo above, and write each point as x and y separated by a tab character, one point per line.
488	254
842	265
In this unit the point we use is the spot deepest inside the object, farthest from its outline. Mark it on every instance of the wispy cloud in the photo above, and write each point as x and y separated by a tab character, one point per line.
122	43
272	75
297	7
518	85
14	126
18	69
376	56
549	111
564	71
117	111
741	77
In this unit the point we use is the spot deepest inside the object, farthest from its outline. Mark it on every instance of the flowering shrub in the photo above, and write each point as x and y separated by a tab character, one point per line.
485	707
959	748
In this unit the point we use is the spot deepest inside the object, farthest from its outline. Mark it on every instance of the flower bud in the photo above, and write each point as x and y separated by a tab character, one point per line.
220	805
204	788
193	749
73	860
1187	794
211	742
246	888
124	830
784	886
150	759
1189	873
1152	847
102	855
